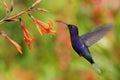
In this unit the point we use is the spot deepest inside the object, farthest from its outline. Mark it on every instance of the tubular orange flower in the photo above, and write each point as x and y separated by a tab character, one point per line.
96	20
45	28
97	10
97	13
27	35
17	46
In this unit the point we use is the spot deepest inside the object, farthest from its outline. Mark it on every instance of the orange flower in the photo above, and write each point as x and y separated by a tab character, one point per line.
17	46
97	21
97	14
90	76
45	28
97	10
27	35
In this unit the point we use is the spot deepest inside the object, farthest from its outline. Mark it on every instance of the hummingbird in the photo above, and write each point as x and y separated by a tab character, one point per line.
82	43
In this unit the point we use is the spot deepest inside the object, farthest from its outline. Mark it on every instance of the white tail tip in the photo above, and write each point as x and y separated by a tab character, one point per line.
96	67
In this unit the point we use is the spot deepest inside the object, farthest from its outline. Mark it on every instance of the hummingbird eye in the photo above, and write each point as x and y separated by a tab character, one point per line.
70	26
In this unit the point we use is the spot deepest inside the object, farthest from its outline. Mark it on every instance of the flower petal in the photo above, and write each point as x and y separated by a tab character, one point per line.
50	23
27	34
42	24
29	41
42	27
38	28
17	46
46	29
52	32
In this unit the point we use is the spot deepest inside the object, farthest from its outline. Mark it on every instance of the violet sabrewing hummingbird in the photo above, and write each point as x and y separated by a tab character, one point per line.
81	43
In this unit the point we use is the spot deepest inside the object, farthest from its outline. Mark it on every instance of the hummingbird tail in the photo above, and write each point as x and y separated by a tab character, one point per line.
97	68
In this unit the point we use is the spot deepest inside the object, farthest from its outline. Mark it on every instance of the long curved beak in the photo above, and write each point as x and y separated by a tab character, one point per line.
61	22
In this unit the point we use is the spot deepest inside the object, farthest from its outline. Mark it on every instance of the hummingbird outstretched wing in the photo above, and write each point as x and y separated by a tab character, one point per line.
92	37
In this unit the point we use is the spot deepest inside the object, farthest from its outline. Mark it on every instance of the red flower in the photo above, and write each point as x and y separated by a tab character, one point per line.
27	35
97	21
90	76
45	28
97	10
97	14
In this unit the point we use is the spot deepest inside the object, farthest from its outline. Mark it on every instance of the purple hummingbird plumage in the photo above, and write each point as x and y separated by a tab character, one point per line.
81	43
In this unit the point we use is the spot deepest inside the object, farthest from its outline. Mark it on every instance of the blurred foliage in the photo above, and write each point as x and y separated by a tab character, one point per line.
52	57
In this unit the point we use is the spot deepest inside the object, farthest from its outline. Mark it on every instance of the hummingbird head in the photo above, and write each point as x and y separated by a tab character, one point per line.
72	28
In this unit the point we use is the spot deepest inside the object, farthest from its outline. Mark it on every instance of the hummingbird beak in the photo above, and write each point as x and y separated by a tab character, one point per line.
61	22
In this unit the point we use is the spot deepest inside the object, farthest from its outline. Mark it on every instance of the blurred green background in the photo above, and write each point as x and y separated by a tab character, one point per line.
52	57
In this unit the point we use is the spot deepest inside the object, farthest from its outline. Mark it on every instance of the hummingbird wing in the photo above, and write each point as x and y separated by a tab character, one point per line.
92	37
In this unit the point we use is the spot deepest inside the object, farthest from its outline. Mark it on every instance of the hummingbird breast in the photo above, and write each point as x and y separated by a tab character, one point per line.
81	49
78	46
